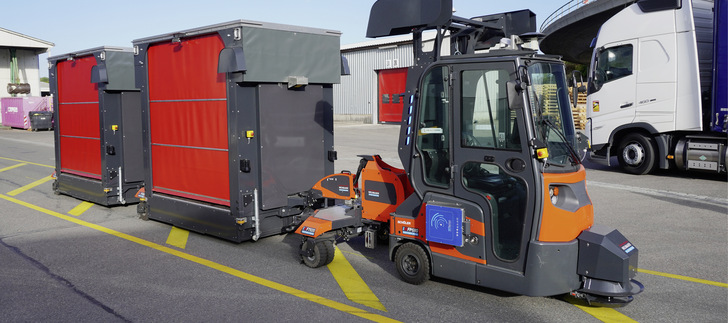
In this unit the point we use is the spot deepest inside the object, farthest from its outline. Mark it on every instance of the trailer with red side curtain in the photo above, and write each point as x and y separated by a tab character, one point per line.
237	124
97	125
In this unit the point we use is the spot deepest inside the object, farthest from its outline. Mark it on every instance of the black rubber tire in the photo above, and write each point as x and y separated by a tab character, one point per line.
143	210
323	254
56	189
383	235
637	154
412	263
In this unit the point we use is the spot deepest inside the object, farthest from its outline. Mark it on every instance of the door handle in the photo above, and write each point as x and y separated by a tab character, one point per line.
626	105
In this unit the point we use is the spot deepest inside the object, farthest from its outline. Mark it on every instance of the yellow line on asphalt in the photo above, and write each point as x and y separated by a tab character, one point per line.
351	283
79	209
213	265
29	186
11	167
690	279
178	237
605	314
27	162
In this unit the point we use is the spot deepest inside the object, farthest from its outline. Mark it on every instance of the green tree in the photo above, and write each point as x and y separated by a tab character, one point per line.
44	79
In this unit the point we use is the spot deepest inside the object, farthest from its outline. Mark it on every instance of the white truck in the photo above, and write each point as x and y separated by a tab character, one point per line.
657	87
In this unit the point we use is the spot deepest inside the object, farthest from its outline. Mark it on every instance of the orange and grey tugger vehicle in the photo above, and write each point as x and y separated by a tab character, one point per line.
492	190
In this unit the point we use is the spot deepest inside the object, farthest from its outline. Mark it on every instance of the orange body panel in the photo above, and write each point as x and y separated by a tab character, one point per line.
559	225
314	227
406	227
337	186
382	175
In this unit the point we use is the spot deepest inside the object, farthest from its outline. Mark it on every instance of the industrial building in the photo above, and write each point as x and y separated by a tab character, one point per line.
372	93
19	63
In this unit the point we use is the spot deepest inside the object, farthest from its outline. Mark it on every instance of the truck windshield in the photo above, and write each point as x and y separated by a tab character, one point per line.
551	109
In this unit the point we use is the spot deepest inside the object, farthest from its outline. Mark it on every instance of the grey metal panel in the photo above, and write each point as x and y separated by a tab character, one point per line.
274	55
234	24
291	134
90	51
119	69
550	270
82	188
453	268
196	216
131	123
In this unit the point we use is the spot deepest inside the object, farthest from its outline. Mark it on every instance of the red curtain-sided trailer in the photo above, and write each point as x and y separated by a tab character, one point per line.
98	123
237	125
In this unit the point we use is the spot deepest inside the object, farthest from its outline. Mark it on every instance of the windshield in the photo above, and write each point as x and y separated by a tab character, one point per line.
551	109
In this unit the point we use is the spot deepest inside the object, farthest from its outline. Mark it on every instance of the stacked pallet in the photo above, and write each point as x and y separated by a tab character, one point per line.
549	102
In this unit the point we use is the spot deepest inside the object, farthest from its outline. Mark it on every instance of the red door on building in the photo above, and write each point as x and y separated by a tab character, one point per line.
391	91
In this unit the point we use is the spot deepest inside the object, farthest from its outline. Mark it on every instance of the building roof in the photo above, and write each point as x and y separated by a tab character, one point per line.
9	38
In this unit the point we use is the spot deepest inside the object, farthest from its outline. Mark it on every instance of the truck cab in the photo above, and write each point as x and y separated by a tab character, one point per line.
650	85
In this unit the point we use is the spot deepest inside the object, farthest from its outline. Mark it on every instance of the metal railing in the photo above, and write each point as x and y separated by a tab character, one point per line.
564	10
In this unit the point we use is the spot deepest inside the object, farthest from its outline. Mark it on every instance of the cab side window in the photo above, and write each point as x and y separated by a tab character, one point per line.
433	139
612	63
487	122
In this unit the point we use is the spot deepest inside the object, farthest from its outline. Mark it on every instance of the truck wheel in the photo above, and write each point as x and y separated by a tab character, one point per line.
323	254
412	263
637	154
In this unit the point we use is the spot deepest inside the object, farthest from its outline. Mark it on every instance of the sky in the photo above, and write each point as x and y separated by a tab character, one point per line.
75	25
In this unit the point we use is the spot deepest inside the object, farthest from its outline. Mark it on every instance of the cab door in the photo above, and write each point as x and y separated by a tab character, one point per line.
491	162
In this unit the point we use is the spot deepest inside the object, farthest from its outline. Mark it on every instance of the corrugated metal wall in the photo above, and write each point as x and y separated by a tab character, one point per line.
357	93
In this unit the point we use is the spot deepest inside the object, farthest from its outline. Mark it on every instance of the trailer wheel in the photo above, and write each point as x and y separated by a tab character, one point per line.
56	189
323	254
637	154
412	263
143	210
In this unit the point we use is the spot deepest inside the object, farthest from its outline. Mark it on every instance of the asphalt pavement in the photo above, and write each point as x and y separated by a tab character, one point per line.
107	265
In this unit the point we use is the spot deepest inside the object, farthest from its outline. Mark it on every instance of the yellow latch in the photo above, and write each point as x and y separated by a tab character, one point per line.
115	127
249	134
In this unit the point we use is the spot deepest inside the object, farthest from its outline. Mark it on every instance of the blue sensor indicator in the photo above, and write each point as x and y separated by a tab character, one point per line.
445	225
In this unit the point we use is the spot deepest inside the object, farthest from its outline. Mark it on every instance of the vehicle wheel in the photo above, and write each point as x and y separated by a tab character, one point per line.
143	210
637	154
412	263
383	235
323	254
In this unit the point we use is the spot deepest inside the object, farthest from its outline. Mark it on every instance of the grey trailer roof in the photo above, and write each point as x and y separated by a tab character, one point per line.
233	24
90	51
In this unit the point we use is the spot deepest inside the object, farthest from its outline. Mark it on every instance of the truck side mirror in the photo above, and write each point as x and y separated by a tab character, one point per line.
582	144
576	75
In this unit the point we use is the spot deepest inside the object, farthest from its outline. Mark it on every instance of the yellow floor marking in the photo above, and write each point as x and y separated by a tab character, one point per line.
213	265
178	237
605	314
79	209
351	283
29	186
11	167
690	279
27	162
